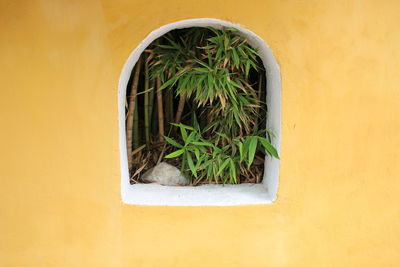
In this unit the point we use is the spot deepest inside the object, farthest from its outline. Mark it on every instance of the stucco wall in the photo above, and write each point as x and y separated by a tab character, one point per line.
338	201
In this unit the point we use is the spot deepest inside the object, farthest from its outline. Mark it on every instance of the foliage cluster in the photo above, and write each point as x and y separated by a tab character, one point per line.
211	69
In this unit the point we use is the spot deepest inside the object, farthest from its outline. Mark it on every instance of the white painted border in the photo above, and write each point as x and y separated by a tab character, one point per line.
206	195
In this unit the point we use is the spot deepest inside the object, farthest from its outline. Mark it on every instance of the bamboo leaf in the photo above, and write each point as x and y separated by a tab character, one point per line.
223	166
235	57
180	125
203	143
184	82
197	153
210	81
170	82
268	147
190	138
184	134
241	151
226	43
252	150
247	67
202	63
203	70
175	154
232	170
222	135
191	165
172	142
166	46
215	170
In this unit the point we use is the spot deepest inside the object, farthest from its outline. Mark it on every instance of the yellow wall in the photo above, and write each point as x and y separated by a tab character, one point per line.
339	195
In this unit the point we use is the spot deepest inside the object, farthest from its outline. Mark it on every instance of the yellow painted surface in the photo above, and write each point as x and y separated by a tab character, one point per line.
339	195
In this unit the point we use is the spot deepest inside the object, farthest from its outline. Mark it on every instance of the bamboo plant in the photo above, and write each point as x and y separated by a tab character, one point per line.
131	113
208	87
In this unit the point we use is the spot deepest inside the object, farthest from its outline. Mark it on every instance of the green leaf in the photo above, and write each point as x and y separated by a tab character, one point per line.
203	70
241	151
197	153
184	134
209	58
218	55
210	81
184	82
203	143
232	170
166	46
271	134
235	84
191	164
172	42
222	135
175	154
215	31
196	123
252	150
268	147
214	170
170	82
209	172
190	138
247	67
253	65
222	167
202	63
172	142
180	125
199	164
242	52
235	57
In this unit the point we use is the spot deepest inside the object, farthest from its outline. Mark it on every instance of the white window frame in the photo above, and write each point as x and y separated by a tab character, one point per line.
205	195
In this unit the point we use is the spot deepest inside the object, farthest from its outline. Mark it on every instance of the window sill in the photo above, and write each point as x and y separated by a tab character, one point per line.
204	195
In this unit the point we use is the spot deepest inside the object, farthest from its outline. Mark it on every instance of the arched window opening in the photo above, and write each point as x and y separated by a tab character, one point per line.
196	72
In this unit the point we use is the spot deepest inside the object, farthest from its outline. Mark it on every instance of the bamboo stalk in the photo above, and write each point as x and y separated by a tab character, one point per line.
152	125
154	118
193	115
146	104
168	114
181	106
136	126
131	110
160	110
171	103
260	82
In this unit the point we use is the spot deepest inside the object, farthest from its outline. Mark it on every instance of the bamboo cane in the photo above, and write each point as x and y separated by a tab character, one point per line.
146	104
181	106
260	82
152	117
171	103
136	126
131	110
193	118
160	110
168	114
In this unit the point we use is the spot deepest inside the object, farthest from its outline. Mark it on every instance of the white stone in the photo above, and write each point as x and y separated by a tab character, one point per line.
164	174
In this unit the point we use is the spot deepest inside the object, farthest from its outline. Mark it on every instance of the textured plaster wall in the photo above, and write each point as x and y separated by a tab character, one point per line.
339	194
